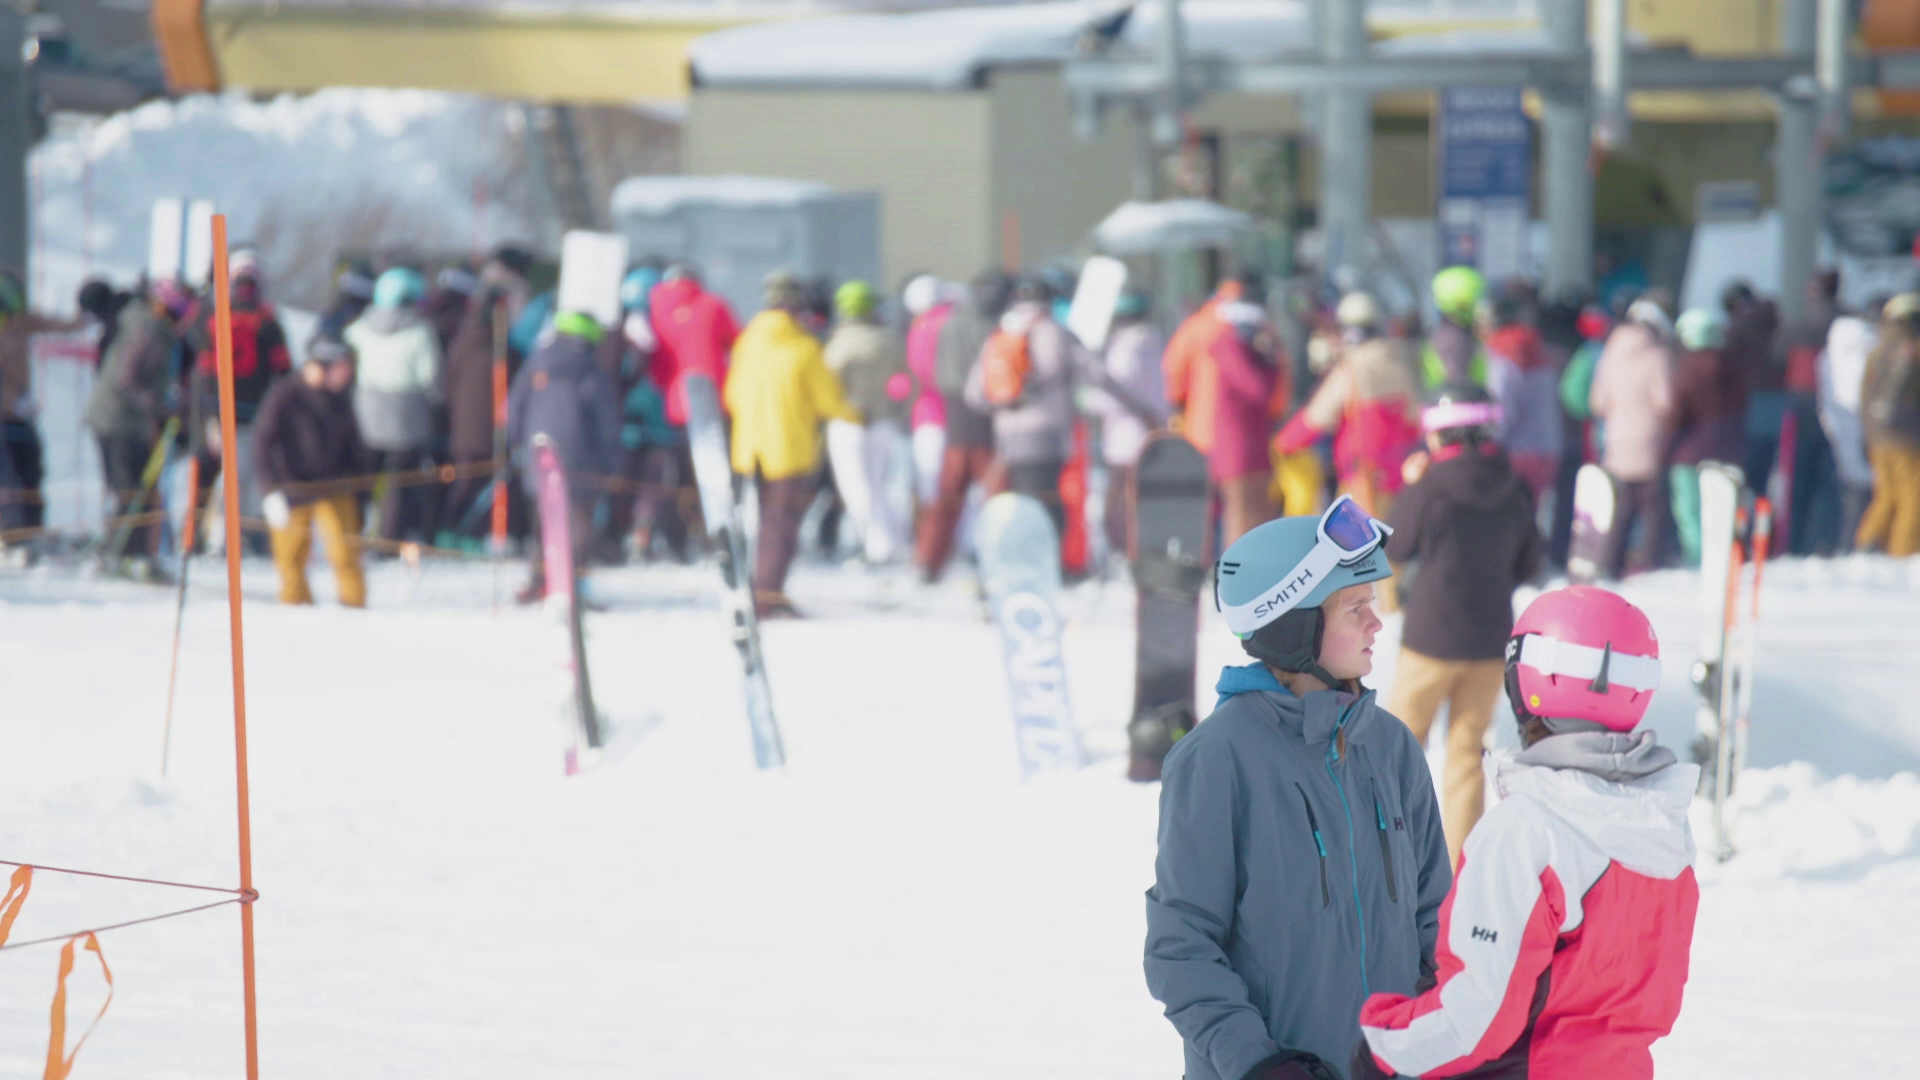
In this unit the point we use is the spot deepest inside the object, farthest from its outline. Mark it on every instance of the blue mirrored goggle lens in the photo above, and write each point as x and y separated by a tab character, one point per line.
1349	527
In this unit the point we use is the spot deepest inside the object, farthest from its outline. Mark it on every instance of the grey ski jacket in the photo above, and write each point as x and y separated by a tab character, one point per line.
1295	876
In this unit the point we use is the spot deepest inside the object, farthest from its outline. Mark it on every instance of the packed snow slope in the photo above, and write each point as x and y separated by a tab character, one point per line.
438	901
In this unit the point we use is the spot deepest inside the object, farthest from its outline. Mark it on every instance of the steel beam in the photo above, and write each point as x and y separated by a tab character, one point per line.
1567	137
1797	162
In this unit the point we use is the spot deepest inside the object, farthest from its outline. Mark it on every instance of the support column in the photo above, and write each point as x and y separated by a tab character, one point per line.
1173	62
1346	146
16	137
1146	156
1567	140
1797	163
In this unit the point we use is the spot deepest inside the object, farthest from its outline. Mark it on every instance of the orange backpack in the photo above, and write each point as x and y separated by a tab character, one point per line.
1004	363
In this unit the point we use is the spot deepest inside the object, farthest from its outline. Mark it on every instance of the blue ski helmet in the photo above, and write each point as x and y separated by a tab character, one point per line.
637	287
1262	560
398	287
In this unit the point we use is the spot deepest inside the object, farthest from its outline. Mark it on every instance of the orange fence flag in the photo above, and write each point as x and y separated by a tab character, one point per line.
17	889
60	1063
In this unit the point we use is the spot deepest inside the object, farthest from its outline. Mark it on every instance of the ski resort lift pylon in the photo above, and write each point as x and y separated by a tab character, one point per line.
1812	78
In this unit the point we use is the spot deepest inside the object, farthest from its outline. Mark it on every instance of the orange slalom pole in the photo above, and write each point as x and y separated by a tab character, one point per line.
230	490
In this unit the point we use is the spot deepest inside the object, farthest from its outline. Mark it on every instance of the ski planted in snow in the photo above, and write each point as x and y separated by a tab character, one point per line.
1020	567
1169	556
581	723
713	473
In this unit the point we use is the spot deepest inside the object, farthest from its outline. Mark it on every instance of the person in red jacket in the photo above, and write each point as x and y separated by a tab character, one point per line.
1252	389
694	330
1564	944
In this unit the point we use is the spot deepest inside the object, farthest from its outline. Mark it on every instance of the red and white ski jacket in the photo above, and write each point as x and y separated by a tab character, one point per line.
1563	946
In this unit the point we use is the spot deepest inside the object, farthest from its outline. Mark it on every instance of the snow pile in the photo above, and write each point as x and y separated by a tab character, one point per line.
307	177
1791	821
947	49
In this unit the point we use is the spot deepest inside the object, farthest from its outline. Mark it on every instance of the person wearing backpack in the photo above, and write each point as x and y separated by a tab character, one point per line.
967	458
1025	380
1890	408
1254	391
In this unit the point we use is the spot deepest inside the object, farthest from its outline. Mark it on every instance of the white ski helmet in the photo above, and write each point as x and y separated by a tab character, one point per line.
1358	310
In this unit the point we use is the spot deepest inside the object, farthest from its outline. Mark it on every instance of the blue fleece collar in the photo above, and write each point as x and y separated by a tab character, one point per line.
1245	679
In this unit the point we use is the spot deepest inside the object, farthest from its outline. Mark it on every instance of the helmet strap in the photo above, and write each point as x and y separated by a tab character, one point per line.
1292	643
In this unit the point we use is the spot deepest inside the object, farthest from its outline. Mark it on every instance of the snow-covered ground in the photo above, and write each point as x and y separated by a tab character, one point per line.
437	901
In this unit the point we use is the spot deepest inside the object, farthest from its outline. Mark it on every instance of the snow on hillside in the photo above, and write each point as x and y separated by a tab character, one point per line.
301	175
438	901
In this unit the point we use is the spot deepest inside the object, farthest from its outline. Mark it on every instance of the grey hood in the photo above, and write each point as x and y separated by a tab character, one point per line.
1606	754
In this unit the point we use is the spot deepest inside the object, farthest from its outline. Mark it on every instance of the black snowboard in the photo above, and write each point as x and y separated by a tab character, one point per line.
1169	546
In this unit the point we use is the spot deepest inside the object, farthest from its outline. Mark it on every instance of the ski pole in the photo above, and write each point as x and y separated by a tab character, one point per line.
499	545
1762	541
1723	745
180	604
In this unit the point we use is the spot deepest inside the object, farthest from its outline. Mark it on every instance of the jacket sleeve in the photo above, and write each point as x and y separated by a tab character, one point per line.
1498	929
1404	545
1190	915
273	346
829	403
1321	414
269	461
1599	389
975	388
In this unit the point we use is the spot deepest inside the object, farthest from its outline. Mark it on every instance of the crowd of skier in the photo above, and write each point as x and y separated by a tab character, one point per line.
902	408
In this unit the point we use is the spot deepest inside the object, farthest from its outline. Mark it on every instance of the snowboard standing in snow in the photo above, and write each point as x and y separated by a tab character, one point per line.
1169	540
1020	567
1593	506
581	723
713	472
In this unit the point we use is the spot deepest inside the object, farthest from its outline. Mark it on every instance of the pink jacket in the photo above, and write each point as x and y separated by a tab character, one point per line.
1564	945
1633	393
923	349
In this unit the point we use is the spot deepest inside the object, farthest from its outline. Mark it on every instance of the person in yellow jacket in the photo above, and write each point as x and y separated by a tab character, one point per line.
779	392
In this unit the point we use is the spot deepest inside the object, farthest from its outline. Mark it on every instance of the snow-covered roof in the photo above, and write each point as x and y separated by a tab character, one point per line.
945	50
1142	228
641	195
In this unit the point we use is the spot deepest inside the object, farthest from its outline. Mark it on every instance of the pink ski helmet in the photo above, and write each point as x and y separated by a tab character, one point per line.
1583	653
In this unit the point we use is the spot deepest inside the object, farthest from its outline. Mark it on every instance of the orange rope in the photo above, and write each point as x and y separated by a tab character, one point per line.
223	345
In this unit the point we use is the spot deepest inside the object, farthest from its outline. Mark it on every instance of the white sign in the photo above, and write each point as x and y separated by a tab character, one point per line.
1091	317
591	266
165	231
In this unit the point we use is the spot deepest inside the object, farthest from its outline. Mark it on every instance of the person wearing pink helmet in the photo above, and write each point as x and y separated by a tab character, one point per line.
1564	944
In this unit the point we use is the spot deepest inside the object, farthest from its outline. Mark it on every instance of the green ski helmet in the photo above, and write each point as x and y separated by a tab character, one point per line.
1259	569
855	300
1457	291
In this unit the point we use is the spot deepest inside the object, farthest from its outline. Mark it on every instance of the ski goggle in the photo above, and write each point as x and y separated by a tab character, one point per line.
1600	668
1346	535
1459	414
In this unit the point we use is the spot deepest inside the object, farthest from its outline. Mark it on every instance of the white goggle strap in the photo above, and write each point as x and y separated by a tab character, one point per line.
1285	595
1550	656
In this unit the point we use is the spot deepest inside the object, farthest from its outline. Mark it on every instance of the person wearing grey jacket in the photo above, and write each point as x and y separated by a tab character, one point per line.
1033	433
398	385
1301	859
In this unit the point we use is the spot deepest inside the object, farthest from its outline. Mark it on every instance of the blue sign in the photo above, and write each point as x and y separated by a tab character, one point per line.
1485	179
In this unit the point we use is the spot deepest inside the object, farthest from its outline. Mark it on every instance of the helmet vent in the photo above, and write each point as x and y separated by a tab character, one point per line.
1599	685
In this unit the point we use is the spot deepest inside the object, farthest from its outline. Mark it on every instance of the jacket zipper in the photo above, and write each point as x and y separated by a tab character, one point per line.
1353	857
1326	893
1386	848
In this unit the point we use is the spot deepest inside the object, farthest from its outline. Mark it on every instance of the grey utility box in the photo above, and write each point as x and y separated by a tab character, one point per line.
738	229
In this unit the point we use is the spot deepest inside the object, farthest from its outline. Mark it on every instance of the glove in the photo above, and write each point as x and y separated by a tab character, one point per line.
1292	1065
1364	1067
277	512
